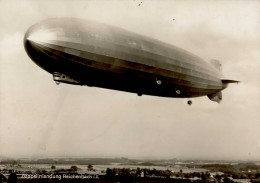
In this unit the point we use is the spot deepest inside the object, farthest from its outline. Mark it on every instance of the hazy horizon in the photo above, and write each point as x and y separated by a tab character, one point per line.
145	159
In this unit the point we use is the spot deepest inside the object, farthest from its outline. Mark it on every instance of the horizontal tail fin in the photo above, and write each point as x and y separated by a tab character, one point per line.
227	81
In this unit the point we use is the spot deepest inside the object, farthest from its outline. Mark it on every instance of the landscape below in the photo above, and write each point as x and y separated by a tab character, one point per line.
129	170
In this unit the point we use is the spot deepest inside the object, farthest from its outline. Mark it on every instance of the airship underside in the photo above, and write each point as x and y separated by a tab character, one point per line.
82	52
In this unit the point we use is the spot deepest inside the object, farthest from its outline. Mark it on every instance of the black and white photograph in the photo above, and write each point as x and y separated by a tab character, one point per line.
133	91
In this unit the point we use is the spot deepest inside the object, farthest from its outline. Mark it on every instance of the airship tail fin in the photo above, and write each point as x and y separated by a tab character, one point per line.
216	64
227	81
216	97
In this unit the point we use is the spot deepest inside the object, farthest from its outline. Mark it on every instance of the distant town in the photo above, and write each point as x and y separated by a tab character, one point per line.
129	170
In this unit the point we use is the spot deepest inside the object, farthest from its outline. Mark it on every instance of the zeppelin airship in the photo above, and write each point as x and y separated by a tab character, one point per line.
81	52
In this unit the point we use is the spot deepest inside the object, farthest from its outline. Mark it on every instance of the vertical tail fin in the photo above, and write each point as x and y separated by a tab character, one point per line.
216	97
216	64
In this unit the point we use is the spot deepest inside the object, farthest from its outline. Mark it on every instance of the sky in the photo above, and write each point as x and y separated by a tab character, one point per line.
41	119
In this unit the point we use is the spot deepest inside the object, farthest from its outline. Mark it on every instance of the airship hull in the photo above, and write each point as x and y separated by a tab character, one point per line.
98	55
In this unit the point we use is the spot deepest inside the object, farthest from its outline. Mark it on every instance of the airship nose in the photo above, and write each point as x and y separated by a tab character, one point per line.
28	46
26	41
29	43
38	35
35	41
